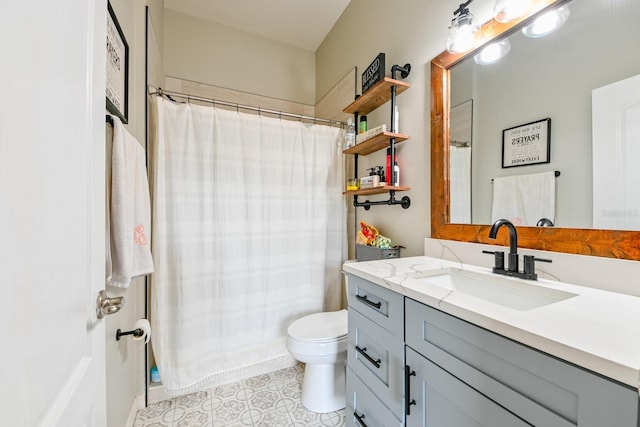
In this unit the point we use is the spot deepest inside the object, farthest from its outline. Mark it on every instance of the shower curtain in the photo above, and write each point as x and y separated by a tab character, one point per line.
460	184
248	235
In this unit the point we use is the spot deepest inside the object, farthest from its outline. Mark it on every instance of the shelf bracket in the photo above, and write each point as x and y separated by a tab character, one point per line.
404	71
405	202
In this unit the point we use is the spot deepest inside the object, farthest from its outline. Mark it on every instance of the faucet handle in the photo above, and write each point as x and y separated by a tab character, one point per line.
498	261
529	263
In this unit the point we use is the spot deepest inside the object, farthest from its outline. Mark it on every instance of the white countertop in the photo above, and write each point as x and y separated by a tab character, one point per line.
598	330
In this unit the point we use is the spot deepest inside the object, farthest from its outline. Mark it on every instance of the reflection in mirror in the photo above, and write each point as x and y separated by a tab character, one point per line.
555	76
571	136
460	162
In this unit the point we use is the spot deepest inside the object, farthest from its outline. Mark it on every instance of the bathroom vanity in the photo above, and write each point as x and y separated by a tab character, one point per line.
437	343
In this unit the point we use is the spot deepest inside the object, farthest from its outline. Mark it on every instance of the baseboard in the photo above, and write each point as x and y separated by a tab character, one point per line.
157	393
138	403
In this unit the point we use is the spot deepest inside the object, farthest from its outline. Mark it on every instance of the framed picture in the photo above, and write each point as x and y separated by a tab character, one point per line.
527	144
117	68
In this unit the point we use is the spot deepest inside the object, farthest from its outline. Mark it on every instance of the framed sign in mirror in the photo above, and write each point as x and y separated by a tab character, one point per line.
527	144
117	68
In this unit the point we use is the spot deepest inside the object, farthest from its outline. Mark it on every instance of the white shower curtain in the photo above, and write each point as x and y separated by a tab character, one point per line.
248	235
460	185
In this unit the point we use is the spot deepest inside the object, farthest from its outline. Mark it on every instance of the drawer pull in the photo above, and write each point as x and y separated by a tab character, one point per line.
363	351
366	300
359	419
408	401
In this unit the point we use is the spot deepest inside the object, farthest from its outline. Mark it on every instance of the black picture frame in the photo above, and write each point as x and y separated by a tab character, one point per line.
117	87
527	144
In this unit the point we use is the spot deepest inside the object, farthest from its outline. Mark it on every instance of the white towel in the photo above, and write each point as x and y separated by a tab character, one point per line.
129	216
525	199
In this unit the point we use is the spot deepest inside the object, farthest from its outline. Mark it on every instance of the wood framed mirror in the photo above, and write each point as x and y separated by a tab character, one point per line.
604	243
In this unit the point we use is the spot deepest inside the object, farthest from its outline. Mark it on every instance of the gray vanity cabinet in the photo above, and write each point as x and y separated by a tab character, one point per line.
375	355
484	378
410	364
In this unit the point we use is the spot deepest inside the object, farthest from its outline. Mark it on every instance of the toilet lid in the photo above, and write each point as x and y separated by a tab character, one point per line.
320	326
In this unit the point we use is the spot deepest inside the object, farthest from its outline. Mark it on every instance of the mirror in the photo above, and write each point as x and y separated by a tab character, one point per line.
607	243
534	76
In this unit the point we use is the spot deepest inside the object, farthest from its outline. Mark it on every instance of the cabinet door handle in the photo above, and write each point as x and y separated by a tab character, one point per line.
408	401
359	419
363	351
366	300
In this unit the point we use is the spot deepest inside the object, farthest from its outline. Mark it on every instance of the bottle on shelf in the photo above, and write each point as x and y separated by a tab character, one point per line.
389	172
350	134
363	124
396	175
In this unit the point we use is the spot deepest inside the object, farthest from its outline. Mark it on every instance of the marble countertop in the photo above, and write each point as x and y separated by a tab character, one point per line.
598	330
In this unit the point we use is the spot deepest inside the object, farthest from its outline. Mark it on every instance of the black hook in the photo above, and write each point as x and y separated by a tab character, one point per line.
136	333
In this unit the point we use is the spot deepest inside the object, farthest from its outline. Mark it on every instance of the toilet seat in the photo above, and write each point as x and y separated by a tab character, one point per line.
320	327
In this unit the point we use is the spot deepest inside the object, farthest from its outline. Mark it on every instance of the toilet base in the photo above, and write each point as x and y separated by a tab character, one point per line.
323	387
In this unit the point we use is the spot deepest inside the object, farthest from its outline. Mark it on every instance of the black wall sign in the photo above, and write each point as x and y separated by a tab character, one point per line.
374	73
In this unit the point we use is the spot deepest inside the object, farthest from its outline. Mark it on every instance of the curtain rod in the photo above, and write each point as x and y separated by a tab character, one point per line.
161	92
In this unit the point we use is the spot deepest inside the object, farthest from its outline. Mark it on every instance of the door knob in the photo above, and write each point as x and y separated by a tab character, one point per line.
107	305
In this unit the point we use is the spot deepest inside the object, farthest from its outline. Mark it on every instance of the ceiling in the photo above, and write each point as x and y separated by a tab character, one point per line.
301	23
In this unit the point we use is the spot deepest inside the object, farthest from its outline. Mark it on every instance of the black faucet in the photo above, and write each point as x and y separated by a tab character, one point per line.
529	260
513	241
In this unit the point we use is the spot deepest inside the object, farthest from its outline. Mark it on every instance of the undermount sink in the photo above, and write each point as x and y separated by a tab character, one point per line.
512	293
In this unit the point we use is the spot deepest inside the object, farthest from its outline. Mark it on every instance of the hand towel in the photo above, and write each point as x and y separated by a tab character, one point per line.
525	199
129	216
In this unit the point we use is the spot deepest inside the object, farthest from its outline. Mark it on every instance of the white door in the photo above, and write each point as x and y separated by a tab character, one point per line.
52	103
616	150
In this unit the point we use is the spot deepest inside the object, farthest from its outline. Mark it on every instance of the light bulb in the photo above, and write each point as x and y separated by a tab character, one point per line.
493	53
547	23
462	34
508	10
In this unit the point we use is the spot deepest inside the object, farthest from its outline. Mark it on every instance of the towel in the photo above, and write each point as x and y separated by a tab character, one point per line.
525	199
128	252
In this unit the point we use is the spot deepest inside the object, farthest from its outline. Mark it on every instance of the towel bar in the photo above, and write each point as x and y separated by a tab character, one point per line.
556	173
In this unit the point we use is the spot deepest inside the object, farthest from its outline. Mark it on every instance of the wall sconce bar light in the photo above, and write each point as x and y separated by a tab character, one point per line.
463	33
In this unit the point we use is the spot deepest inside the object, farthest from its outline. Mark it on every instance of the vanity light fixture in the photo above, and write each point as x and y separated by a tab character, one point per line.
547	23
508	10
462	32
493	52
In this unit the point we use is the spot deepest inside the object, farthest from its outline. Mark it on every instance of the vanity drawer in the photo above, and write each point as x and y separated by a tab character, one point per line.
439	399
362	403
377	357
540	388
379	304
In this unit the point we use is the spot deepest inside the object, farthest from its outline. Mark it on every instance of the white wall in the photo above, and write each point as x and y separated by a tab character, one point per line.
125	358
211	53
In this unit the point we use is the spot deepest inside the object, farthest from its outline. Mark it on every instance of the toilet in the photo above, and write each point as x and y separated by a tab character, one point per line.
320	341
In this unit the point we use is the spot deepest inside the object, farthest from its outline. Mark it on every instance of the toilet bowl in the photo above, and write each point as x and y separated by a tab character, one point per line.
320	341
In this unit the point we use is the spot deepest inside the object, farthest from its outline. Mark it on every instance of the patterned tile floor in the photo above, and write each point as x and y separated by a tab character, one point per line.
265	400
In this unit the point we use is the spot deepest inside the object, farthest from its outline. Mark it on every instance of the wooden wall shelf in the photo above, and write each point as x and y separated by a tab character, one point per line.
377	95
375	190
376	143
